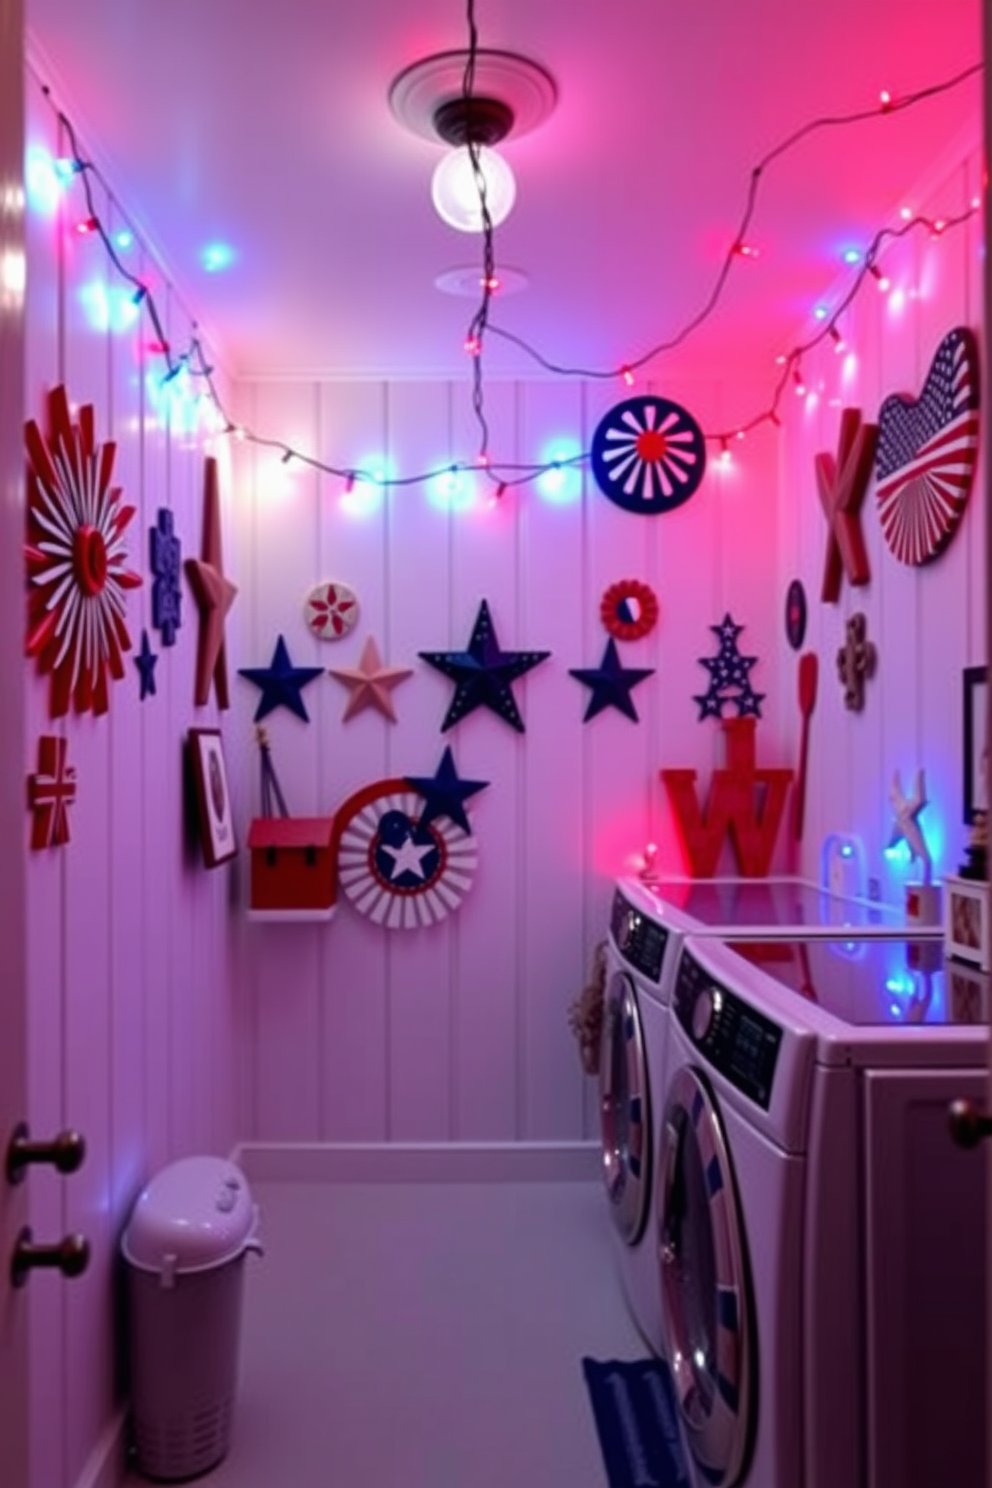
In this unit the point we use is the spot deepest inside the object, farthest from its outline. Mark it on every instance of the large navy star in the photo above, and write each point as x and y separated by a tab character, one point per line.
611	683
444	792
483	673
281	683
145	662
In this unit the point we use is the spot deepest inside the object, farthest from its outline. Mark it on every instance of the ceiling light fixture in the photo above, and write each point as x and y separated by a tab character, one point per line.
510	94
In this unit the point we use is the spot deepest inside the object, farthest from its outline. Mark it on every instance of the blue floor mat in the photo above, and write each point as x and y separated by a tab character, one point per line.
635	1413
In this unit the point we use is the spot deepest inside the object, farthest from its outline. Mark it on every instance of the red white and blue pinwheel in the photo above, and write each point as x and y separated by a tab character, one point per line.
648	455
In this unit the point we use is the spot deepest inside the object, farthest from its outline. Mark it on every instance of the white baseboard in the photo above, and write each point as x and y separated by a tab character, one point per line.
106	1466
419	1162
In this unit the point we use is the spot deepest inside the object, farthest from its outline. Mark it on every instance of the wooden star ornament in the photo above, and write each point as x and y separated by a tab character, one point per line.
370	683
214	595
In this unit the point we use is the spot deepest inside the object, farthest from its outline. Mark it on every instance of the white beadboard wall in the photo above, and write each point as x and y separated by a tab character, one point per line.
132	1004
459	1031
928	623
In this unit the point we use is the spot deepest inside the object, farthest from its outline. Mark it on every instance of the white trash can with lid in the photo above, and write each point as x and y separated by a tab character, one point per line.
185	1245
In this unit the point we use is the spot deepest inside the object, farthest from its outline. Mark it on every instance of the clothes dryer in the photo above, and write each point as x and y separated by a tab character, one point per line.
648	923
820	1240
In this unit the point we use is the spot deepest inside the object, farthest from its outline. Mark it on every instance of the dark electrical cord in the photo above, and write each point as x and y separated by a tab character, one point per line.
508	474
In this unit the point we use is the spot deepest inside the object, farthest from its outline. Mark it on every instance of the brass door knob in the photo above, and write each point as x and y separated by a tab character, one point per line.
65	1152
70	1255
969	1125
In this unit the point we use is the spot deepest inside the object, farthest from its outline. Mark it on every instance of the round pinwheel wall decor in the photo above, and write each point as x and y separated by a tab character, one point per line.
648	455
398	863
76	560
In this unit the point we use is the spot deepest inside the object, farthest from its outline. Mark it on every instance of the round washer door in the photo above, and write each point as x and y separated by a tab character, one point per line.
705	1297
624	1109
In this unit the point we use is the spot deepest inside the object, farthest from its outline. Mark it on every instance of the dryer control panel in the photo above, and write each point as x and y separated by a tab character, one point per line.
738	1041
640	940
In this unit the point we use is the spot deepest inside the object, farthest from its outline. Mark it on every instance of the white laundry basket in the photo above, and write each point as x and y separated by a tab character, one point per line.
185	1245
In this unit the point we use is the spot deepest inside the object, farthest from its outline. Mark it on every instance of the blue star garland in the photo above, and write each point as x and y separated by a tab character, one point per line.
483	674
611	683
166	565
730	680
281	683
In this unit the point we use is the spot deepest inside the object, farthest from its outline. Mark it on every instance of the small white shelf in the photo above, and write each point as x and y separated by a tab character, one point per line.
286	916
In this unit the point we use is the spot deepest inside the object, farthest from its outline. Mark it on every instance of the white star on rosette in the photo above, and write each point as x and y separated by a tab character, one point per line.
409	858
370	683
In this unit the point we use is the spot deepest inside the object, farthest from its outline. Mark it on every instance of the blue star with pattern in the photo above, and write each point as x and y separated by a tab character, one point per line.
611	683
730	679
483	674
166	565
281	683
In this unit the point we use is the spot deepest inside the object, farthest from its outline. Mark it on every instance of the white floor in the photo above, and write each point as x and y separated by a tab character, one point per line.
425	1335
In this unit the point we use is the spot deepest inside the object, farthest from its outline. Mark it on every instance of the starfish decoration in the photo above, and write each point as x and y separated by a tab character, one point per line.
483	673
166	564
906	824
445	792
370	683
145	662
730	680
611	683
281	683
214	595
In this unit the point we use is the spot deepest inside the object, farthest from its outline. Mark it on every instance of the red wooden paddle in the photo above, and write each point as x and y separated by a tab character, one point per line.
808	675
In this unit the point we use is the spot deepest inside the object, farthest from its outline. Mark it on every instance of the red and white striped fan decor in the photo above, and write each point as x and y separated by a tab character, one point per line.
76	559
927	453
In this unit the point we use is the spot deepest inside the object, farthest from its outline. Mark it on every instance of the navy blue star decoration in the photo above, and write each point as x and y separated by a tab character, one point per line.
611	683
281	683
166	564
445	793
483	674
145	662
730	680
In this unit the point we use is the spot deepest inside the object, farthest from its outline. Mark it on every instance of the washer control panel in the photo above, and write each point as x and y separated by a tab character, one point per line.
640	940
735	1039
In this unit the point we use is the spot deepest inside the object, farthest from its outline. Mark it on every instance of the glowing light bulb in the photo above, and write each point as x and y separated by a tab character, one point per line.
628	376
885	99
820	312
456	195
882	280
837	339
852	256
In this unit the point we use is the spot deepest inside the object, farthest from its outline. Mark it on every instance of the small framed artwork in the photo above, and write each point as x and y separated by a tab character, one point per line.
976	682
212	796
967	993
966	923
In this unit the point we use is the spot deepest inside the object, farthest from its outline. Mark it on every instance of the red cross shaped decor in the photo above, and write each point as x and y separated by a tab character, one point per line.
50	792
843	484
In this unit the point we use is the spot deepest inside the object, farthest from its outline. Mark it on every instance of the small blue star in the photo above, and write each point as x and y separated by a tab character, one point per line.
611	683
281	683
145	662
444	792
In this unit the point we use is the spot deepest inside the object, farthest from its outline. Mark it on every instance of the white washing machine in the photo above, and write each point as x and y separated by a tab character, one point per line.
820	1240
648	924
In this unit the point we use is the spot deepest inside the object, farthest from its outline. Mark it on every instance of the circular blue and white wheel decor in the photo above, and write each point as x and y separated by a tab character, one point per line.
648	455
403	875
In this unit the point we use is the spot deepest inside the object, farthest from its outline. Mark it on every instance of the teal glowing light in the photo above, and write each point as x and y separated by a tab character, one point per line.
820	312
124	239
216	257
852	255
452	490
42	181
561	483
364	492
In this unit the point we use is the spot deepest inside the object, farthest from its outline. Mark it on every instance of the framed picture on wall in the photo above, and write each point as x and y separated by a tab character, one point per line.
966	921
976	682
212	796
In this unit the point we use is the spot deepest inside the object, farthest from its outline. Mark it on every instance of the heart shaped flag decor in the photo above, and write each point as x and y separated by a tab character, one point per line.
927	451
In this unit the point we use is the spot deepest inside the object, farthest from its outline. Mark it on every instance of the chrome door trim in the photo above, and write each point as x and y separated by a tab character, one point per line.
714	1395
625	1109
